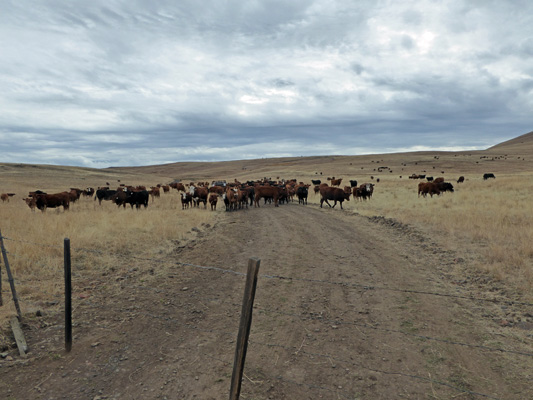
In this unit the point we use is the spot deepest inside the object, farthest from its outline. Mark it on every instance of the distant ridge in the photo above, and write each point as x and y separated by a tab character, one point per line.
522	143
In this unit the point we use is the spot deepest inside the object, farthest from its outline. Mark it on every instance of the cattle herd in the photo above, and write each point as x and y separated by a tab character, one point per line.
235	195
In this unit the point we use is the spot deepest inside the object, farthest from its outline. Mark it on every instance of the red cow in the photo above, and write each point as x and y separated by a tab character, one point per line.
213	199
266	192
335	194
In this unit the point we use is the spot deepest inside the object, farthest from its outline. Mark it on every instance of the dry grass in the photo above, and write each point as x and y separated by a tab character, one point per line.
103	239
491	219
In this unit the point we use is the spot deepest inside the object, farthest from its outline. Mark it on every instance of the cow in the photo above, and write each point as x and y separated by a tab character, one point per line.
217	189
154	192
178	186
104	194
88	192
302	192
429	179
426	188
186	200
119	198
336	182
44	201
213	199
461	179
488	175
445	187
4	197
199	195
353	183
242	198
266	192
364	191
316	181
335	194
138	198
230	199
438	180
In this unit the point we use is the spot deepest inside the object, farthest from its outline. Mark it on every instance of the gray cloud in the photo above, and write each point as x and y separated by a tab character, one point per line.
90	83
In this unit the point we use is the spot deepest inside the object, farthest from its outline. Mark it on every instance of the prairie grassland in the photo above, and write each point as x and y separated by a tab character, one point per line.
103	238
492	219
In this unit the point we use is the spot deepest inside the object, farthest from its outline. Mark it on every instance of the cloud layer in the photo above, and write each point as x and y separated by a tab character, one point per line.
126	83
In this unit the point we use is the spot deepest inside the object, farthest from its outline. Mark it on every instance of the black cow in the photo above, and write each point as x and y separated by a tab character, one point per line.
302	192
104	194
139	198
445	186
353	183
489	175
316	181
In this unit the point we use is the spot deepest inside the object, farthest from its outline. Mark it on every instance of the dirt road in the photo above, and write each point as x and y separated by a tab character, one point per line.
360	319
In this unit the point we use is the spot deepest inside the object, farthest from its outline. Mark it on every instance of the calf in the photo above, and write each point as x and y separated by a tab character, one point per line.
213	199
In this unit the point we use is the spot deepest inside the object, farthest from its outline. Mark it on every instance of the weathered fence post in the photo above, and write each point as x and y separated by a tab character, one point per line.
68	297
244	328
10	277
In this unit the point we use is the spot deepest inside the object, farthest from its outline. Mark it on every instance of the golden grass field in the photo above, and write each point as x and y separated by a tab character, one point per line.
491	220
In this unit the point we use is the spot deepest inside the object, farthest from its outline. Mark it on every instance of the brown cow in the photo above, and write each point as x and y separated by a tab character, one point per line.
4	197
230	199
217	189
178	186
213	199
165	188
154	192
426	188
266	192
335	194
199	195
336	182
438	180
44	201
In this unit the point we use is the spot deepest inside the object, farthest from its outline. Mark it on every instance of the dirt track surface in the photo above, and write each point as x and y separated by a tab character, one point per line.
350	325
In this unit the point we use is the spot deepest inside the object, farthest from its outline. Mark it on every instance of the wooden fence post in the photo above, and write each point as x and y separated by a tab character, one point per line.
10	277
244	328
68	297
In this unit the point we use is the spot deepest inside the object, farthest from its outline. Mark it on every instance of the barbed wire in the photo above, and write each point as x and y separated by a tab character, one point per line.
402	374
367	326
298	279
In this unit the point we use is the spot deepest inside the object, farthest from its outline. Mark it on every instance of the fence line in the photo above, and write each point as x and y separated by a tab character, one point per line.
330	357
297	279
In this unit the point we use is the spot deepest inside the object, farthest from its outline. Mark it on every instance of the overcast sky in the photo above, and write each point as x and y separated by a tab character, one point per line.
136	82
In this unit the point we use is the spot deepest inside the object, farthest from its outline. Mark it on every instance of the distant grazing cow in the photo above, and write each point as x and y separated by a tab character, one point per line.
302	192
445	187
165	188
353	183
265	192
88	192
429	178
335	194
4	197
213	199
316	181
489	175
336	182
461	179
178	186
316	189
426	188
439	179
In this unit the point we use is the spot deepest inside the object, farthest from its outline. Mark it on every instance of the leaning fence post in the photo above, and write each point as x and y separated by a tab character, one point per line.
68	297
244	328
10	277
